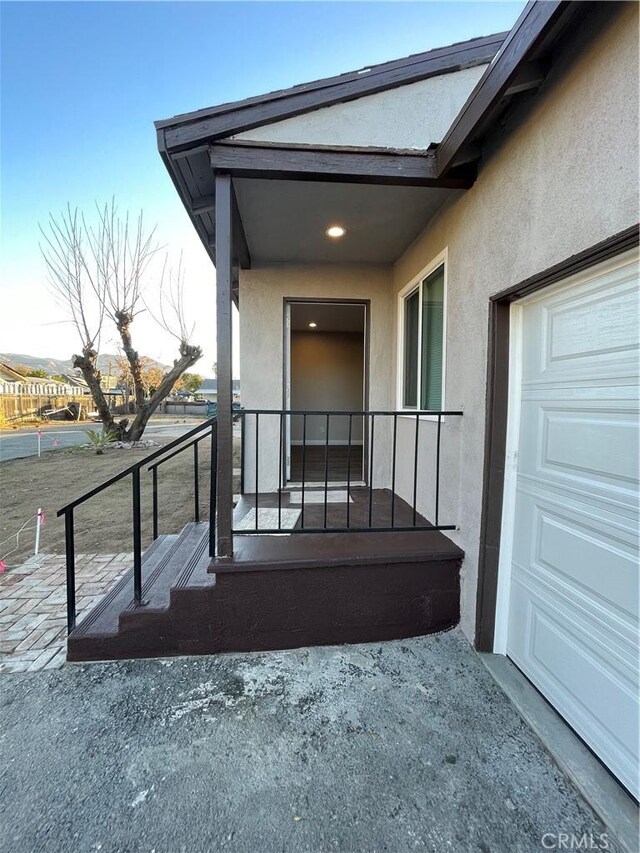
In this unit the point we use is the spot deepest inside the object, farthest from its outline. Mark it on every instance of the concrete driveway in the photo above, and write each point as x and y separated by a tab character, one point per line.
400	746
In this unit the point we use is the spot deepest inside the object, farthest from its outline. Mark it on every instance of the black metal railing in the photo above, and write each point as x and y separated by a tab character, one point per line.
162	455
401	515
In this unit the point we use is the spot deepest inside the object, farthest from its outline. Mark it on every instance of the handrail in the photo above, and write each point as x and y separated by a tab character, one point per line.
370	441
136	465
175	452
411	413
163	454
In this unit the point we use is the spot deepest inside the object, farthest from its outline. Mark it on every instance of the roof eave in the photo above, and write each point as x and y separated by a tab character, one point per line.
507	75
185	131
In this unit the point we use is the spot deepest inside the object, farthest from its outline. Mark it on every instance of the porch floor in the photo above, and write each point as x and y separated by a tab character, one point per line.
383	511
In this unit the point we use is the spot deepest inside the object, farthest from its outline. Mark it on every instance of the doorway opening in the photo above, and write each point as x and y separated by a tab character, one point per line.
325	371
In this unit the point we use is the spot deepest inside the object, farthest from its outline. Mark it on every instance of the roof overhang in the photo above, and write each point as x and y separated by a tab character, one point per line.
194	128
194	148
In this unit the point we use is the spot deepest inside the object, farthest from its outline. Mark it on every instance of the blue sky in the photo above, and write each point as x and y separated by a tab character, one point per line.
83	82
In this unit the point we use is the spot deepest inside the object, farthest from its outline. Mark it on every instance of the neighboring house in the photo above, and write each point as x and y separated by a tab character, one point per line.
209	390
76	383
12	382
473	317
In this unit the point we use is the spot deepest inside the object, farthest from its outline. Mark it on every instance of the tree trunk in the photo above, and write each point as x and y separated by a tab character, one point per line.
87	364
188	356
123	323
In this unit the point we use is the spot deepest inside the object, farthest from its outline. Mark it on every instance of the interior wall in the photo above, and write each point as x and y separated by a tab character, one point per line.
327	372
562	178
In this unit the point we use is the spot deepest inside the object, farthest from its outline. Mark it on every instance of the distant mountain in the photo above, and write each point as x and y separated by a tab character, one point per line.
57	365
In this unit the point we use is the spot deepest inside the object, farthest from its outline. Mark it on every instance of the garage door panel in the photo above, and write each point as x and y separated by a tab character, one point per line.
582	553
618	510
574	590
591	327
590	444
585	332
594	447
603	628
555	657
573	635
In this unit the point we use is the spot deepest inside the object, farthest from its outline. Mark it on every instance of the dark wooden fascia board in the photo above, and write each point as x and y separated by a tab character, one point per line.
369	73
507	74
331	164
497	410
195	128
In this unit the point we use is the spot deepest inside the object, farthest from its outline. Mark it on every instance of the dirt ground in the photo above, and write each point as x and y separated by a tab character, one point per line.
103	523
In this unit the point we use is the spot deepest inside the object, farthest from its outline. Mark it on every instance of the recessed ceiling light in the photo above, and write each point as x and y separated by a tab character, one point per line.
335	232
312	325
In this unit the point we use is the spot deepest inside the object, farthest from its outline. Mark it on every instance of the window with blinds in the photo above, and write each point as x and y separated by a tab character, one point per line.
424	343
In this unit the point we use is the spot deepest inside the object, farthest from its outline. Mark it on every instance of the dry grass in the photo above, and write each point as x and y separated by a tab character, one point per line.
103	523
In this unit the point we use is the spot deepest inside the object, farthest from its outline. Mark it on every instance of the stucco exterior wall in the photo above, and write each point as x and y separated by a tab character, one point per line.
263	291
412	116
563	179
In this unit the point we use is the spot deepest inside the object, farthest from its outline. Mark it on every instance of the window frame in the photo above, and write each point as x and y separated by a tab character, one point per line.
415	284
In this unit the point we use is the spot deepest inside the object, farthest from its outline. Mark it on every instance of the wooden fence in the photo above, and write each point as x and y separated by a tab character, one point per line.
21	407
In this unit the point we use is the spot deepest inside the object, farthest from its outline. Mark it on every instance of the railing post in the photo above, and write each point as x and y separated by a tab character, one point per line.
326	468
71	570
196	484
438	468
349	467
154	488
415	470
280	466
304	455
213	489
371	470
242	435
257	462
137	539
393	469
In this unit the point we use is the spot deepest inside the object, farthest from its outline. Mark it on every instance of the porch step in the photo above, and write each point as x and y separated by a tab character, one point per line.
318	550
277	592
104	618
173	569
174	560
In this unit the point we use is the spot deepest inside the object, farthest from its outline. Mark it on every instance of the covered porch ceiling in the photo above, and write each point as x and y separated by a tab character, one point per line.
286	221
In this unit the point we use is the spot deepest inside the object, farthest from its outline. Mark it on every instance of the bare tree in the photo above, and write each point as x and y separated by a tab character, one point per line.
97	272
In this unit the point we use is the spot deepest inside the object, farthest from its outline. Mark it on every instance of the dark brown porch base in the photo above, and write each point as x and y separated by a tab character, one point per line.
343	588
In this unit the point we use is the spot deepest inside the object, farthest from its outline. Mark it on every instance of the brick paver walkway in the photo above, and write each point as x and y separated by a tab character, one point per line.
33	621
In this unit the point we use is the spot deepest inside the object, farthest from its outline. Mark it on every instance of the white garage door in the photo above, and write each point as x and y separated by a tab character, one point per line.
571	517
